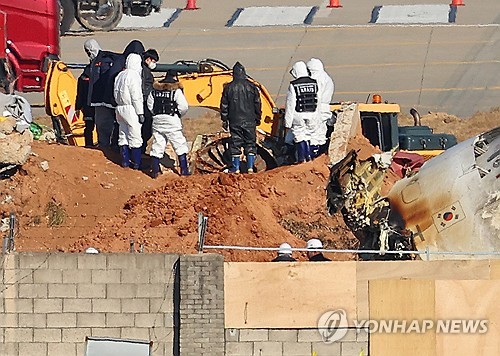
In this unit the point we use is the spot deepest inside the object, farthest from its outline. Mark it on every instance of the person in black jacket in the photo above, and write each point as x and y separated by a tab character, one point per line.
149	60
240	110
284	254
92	49
315	256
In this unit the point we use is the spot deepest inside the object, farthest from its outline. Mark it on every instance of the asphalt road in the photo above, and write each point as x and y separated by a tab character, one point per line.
448	68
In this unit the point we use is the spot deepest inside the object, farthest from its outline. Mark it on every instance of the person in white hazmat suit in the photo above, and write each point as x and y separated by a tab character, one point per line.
301	109
326	88
130	111
168	104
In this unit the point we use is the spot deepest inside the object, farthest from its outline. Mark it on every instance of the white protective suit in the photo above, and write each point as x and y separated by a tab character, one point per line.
299	123
129	105
326	88
168	127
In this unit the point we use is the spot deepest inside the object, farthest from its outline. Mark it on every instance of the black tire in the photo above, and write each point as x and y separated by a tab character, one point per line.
66	15
87	17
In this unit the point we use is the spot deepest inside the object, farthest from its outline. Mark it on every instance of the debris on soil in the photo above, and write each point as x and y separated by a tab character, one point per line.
86	199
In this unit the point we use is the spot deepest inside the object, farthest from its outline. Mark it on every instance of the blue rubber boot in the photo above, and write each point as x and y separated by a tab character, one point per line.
315	151
136	158
250	162
125	155
300	152
236	164
307	151
183	163
155	167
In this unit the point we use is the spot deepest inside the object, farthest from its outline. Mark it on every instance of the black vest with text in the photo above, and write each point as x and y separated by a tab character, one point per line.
164	102
306	92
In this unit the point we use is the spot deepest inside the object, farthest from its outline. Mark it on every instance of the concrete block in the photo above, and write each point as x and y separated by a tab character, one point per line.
64	261
254	334
151	261
18	305
353	348
10	262
323	349
297	348
32	348
73	335
106	332
119	320
350	336
33	290
161	305
121	261
47	276
91	320
125	290
10	291
165	334
135	276
68	349
77	276
82	305
91	290
309	335
153	291
232	335
47	335
47	306
135	305
59	290
106	276
10	320
163	276
136	333
80	349
362	335
148	320
9	349
289	335
267	348
33	260
65	320
18	334
32	320
106	305
90	261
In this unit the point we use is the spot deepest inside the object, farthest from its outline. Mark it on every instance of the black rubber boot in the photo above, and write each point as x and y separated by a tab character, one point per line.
183	163
125	155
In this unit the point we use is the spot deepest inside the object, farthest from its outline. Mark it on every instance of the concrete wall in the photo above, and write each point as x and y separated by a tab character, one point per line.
49	303
292	342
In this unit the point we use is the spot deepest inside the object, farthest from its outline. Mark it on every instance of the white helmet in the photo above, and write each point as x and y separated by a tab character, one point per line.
285	249
314	243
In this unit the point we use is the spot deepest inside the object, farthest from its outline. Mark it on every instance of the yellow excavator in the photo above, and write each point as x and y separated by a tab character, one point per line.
203	83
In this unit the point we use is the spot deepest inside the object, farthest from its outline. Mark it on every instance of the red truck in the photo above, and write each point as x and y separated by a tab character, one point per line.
29	40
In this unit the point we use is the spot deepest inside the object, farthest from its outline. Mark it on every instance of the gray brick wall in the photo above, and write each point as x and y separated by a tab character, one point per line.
292	342
49	303
201	308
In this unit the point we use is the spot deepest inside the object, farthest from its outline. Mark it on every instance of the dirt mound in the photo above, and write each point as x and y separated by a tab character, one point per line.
266	209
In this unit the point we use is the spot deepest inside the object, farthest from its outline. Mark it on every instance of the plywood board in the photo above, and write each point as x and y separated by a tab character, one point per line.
469	301
495	269
402	300
282	295
467	270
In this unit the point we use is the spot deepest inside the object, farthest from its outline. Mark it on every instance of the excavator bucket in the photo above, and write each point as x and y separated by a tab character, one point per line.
60	97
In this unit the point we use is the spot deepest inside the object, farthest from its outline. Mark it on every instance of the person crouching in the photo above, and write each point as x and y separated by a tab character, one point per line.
168	104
